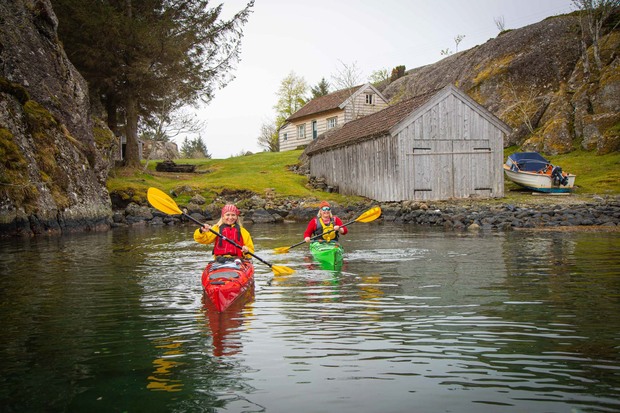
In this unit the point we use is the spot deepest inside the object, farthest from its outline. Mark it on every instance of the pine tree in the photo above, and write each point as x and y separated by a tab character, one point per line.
137	53
321	89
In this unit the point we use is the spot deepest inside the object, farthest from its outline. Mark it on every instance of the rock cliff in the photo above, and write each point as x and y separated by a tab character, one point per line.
55	155
533	79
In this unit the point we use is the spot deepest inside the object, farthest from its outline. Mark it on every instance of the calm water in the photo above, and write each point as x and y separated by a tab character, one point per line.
415	321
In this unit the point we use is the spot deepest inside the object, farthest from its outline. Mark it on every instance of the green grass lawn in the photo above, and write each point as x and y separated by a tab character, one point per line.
268	170
255	173
595	174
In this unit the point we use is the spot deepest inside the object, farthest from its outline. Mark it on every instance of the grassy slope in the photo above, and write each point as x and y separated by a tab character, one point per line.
595	174
255	173
258	172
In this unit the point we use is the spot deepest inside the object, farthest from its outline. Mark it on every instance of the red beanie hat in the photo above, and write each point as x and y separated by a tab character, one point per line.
324	204
230	208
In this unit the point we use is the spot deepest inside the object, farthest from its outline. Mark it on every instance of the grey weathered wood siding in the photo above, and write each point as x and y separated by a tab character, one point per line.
450	148
368	168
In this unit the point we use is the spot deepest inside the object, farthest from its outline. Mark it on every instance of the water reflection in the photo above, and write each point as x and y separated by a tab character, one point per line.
440	314
226	326
313	264
506	322
574	280
161	379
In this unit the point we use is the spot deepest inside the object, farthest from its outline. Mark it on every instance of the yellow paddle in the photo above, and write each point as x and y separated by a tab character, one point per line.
161	201
368	216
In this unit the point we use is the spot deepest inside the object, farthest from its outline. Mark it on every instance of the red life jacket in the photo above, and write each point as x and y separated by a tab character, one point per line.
223	247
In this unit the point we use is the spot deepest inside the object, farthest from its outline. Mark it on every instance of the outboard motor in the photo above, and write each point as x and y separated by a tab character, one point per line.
558	178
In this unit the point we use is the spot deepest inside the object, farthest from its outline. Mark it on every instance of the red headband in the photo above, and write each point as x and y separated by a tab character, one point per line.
230	208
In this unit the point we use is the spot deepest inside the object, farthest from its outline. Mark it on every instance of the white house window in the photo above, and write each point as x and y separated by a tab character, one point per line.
332	122
285	137
369	98
301	131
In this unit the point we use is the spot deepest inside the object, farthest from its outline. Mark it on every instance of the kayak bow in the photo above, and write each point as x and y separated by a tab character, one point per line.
223	283
328	254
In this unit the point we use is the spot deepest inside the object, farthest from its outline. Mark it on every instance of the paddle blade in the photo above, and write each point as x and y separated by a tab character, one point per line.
161	201
370	215
282	250
281	270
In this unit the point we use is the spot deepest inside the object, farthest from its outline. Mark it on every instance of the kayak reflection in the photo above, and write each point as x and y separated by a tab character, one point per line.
226	326
314	264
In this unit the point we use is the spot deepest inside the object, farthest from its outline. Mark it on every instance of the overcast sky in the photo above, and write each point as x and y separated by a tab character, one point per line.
313	38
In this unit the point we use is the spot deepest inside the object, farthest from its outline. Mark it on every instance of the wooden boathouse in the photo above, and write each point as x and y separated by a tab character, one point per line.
437	146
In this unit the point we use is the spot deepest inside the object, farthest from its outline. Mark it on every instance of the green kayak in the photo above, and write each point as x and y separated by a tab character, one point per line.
328	254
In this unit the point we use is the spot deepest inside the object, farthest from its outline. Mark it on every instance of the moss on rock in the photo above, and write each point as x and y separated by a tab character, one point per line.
14	182
14	89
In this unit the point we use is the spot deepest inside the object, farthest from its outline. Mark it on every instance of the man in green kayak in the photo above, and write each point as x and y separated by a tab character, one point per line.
325	223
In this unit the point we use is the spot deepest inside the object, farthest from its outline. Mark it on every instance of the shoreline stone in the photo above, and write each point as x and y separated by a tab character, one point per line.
472	215
458	215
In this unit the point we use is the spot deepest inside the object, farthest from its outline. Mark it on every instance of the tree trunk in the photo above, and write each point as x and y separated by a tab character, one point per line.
596	36
132	150
111	110
586	59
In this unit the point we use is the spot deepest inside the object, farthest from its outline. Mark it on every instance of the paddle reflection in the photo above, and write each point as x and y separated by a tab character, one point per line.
161	379
225	326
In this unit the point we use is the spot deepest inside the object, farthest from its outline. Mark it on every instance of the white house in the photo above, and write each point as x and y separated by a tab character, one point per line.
329	112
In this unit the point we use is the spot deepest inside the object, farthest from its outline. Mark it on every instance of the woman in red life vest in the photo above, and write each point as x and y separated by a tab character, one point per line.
323	223
229	226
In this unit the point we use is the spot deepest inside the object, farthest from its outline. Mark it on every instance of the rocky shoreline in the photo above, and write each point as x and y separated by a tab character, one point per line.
585	213
454	215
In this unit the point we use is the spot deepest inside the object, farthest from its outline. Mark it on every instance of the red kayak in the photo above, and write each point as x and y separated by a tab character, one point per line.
225	282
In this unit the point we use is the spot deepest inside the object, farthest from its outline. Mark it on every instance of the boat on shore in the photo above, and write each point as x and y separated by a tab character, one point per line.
328	254
532	171
223	283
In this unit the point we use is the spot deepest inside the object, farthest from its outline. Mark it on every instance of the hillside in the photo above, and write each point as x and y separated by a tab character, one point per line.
533	79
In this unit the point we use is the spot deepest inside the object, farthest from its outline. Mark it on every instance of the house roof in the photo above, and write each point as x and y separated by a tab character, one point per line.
370	126
324	103
391	120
